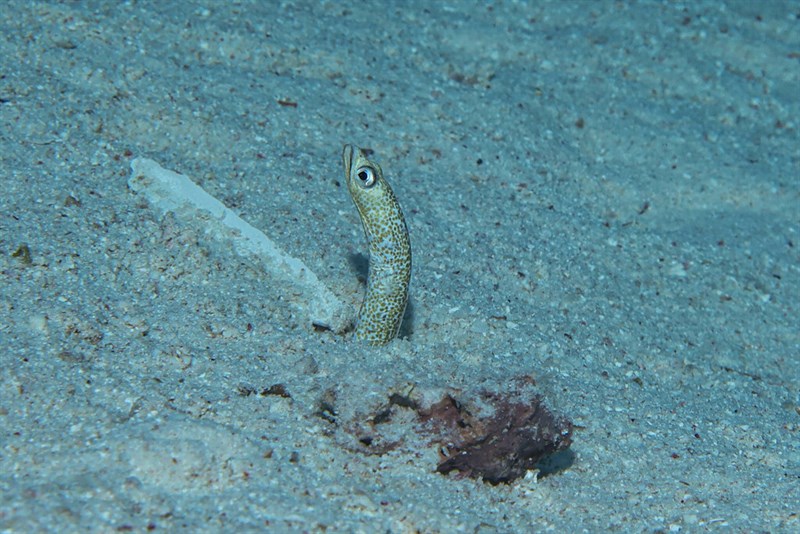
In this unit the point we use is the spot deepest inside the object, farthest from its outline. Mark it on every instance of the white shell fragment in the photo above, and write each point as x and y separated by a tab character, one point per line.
168	191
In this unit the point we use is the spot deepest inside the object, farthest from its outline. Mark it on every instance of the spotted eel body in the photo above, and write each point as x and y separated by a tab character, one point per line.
389	248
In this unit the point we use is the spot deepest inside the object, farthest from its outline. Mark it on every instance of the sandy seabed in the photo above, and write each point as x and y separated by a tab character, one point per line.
604	206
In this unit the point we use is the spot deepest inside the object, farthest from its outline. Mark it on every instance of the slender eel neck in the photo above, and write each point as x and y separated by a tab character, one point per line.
385	228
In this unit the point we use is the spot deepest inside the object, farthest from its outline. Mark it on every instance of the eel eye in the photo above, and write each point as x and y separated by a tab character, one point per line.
367	176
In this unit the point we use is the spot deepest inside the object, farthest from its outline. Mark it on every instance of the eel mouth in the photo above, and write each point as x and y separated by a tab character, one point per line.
347	158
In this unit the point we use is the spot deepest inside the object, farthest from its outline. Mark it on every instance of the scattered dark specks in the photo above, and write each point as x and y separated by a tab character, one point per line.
23	254
396	399
71	201
326	407
278	390
72	357
244	390
66	45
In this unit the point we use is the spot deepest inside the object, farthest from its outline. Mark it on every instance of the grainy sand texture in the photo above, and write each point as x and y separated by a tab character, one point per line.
603	200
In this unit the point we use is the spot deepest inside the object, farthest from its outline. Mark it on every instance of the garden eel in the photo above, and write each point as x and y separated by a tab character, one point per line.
389	248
